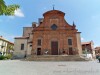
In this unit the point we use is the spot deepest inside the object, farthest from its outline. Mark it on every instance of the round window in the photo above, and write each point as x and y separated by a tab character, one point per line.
54	27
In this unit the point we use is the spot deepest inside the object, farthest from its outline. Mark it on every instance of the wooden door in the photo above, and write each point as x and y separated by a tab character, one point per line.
54	48
38	51
70	51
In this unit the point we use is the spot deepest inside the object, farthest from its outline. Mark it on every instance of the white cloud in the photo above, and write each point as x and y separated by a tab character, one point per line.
19	13
82	39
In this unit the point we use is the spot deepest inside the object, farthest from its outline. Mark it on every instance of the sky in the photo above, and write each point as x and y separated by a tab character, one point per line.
84	13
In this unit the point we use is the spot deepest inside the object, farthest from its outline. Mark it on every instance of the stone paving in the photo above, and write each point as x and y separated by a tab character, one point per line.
17	67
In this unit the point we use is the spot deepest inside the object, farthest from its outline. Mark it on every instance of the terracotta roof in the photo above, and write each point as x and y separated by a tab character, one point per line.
97	47
21	37
85	43
89	42
53	11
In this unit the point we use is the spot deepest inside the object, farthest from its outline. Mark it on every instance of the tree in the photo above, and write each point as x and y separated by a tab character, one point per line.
7	9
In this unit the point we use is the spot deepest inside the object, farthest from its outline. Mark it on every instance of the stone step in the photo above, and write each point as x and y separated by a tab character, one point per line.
55	58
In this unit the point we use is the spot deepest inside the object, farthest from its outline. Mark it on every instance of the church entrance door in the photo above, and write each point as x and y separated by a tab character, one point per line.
54	47
38	51
70	51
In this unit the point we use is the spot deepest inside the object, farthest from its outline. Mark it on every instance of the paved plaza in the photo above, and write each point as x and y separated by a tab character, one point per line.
17	67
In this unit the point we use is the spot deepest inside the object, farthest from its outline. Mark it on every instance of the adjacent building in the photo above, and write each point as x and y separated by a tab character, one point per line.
97	50
6	47
51	36
88	48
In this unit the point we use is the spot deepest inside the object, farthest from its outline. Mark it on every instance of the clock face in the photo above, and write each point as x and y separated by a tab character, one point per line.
54	27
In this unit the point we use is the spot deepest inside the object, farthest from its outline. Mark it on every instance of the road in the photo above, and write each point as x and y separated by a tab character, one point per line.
17	67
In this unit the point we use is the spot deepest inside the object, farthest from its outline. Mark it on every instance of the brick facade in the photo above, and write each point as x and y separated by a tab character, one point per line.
54	28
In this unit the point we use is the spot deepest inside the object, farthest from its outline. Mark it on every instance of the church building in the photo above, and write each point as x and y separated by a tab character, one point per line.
51	36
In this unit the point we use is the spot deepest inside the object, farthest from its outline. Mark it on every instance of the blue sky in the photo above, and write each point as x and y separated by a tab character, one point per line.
84	13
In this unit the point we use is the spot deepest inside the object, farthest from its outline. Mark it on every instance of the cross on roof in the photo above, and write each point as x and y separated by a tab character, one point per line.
53	7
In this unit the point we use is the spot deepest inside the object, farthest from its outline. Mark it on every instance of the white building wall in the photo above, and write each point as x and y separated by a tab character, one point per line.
30	44
17	48
0	45
3	46
18	53
79	43
29	49
93	50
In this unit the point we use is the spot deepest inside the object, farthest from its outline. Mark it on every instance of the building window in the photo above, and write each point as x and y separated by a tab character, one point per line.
30	45
2	46
22	46
69	41
39	42
54	27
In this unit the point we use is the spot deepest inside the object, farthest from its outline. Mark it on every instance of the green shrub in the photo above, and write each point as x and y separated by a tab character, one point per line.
2	57
8	56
